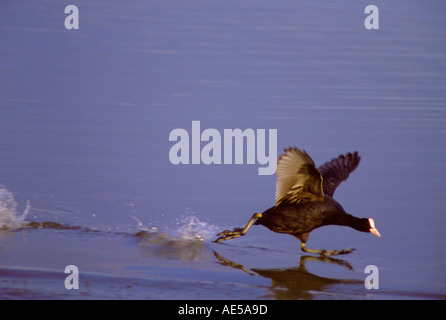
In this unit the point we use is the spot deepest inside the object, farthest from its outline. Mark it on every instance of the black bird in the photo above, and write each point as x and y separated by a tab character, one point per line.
304	200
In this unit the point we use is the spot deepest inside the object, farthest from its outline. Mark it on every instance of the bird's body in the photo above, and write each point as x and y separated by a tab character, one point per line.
304	199
297	219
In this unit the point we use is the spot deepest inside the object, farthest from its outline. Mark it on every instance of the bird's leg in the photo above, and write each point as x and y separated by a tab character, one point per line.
325	253
237	232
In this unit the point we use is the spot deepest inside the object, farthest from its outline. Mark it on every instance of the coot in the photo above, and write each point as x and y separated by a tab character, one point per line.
304	200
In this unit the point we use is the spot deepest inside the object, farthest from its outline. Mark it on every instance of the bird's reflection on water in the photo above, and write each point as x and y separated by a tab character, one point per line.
296	282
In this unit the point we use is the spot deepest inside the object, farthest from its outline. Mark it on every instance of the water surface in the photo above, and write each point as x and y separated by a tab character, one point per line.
85	117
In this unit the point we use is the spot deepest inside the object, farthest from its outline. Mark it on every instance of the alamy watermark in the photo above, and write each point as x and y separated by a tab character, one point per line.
72	20
72	280
372	280
372	20
233	146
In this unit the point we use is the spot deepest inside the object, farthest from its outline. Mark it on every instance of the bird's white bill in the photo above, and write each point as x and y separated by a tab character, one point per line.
373	229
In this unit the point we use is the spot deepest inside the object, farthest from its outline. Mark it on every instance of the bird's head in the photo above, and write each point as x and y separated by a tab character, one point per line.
372	228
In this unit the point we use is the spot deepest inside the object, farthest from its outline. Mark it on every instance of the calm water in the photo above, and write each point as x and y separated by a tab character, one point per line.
85	118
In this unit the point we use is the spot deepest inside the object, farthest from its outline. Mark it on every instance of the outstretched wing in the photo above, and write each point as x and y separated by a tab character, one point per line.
337	170
298	180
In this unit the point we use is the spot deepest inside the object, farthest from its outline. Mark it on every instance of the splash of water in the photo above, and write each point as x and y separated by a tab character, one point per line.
188	228
185	241
10	219
191	228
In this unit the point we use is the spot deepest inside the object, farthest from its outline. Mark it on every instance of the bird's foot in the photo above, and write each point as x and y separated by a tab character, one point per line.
237	232
228	234
326	253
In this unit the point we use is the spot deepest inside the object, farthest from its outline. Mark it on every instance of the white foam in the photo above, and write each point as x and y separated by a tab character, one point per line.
10	219
187	228
192	228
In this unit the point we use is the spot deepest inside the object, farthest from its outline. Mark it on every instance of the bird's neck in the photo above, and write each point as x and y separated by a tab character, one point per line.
360	224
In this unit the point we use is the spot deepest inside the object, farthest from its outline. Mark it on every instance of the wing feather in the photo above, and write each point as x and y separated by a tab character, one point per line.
337	170
298	180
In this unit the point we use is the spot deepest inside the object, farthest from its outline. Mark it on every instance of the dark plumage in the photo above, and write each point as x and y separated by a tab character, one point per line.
304	199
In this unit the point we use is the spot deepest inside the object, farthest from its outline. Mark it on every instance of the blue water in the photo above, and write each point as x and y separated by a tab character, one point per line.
85	118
